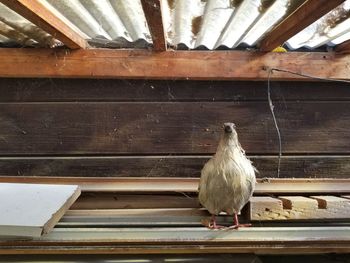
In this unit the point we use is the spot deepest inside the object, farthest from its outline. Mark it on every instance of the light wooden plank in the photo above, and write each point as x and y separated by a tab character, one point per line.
303	16
38	14
272	240
205	65
184	185
153	13
32	209
300	207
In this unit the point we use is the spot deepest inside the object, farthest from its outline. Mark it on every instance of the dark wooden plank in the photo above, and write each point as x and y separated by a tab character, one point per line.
68	90
170	128
343	47
144	64
136	201
153	14
309	12
38	14
169	166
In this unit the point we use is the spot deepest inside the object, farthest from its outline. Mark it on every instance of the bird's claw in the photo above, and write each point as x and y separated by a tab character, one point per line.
239	225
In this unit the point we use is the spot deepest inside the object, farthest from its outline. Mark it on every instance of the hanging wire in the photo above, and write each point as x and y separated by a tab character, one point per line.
270	71
275	122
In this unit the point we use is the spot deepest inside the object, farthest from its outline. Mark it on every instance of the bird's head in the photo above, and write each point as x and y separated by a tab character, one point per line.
229	129
229	134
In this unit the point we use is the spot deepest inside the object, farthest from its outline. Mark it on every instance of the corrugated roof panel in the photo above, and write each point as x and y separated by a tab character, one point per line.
331	26
191	24
20	30
216	23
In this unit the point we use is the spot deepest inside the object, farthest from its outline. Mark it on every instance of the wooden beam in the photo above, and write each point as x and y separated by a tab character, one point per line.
343	47
205	65
260	240
181	185
153	13
302	17
38	14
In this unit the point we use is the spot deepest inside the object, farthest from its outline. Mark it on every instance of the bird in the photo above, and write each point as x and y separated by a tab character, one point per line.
227	180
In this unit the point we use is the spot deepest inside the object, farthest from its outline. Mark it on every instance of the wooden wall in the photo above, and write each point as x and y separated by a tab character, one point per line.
83	127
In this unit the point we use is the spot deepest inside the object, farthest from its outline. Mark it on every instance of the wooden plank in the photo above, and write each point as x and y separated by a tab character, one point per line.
80	90
309	12
153	14
186	240
170	128
204	258
343	47
223	65
31	210
265	208
38	14
299	207
134	201
168	166
186	185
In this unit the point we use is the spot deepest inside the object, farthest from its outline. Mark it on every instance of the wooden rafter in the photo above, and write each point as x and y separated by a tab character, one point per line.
153	13
305	15
343	47
38	14
205	65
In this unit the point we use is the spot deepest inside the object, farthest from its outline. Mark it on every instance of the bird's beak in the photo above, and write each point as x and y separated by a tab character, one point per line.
228	129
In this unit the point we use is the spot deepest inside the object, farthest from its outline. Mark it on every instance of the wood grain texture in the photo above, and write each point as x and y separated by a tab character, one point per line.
153	14
309	12
170	128
299	207
186	185
128	90
343	47
205	65
38	14
281	240
168	166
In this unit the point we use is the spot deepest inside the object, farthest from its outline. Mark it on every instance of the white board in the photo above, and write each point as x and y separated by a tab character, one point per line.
31	210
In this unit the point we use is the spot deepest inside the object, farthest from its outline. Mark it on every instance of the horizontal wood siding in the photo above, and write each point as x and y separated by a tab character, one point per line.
167	166
64	127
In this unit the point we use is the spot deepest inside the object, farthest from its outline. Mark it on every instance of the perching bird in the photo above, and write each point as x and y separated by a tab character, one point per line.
227	179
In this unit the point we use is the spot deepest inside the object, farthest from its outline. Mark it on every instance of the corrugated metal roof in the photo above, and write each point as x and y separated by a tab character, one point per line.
203	24
332	29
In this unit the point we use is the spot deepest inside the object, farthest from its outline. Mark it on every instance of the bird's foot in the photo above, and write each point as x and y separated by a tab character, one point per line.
211	224
239	225
215	226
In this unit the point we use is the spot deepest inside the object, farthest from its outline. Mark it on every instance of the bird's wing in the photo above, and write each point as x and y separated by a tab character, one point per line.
203	182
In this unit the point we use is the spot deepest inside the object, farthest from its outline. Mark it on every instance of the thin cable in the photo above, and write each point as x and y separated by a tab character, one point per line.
275	122
307	76
270	71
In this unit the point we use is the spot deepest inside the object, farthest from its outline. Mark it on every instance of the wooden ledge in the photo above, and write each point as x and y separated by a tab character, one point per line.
143	64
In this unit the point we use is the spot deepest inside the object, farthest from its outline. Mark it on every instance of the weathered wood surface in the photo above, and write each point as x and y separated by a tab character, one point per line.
170	128
40	15
282	240
73	90
299	207
307	13
205	65
186	185
168	166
